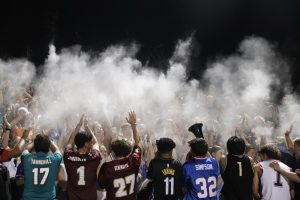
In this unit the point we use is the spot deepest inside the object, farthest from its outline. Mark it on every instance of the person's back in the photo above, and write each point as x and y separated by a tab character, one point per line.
118	177
82	176
40	172
238	178
274	185
200	173
237	171
201	176
165	172
41	169
81	165
4	183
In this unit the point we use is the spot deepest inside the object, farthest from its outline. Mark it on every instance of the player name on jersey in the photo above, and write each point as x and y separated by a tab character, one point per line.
76	159
41	162
204	167
121	167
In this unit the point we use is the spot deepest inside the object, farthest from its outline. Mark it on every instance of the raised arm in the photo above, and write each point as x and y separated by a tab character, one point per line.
292	176
89	130
20	146
288	139
54	148
132	121
70	143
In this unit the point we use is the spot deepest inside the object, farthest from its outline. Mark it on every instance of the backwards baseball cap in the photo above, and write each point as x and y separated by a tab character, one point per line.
196	129
165	145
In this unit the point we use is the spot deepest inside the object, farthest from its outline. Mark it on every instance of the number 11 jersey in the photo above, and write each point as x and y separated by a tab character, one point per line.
166	175
82	174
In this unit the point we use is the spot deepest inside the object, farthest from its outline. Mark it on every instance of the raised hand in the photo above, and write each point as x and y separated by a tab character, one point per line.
85	121
288	132
275	165
131	119
80	123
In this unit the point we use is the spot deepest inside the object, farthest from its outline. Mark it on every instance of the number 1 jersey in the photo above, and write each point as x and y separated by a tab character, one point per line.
82	174
200	179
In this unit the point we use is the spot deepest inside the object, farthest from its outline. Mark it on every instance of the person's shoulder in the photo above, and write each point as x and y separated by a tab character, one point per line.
26	154
187	163
137	149
94	153
68	152
284	166
55	156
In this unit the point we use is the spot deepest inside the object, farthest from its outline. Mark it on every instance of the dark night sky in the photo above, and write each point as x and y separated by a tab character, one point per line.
27	27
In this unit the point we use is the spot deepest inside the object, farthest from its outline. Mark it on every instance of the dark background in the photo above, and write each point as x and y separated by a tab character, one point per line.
28	27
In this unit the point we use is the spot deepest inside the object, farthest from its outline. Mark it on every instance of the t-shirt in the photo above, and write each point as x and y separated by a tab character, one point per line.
118	177
40	173
200	179
274	185
296	169
166	175
82	174
4	154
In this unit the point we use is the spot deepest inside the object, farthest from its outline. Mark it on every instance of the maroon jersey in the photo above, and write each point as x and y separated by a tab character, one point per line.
118	177
82	174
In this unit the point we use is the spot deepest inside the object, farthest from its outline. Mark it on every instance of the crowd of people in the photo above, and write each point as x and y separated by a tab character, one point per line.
121	158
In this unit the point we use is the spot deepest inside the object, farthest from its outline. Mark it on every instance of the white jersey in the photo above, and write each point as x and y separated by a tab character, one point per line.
274	185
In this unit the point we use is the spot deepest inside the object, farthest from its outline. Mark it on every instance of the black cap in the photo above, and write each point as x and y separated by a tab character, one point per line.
196	129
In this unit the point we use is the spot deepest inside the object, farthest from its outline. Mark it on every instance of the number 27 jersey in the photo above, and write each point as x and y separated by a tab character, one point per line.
200	179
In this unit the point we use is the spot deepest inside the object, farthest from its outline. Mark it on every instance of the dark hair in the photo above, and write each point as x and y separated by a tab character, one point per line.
297	142
165	145
214	149
121	147
81	138
42	143
271	151
199	147
236	145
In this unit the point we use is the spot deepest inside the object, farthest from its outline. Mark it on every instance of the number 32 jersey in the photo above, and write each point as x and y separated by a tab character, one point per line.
118	177
82	174
200	179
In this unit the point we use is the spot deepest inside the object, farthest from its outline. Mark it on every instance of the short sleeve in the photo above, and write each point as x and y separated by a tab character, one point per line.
135	157
150	171
4	155
57	157
25	155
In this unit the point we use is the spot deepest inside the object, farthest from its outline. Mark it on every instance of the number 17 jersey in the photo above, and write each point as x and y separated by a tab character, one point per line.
200	179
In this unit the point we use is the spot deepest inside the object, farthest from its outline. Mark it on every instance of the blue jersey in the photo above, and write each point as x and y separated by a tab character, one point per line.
200	179
40	173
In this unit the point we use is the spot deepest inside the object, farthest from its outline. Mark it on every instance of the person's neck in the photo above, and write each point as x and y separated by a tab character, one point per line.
82	151
239	156
120	158
165	155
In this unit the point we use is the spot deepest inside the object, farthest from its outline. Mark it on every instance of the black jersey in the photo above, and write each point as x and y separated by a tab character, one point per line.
166	175
238	178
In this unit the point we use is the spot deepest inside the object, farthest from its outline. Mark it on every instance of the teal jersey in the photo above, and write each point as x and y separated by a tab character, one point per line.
40	173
